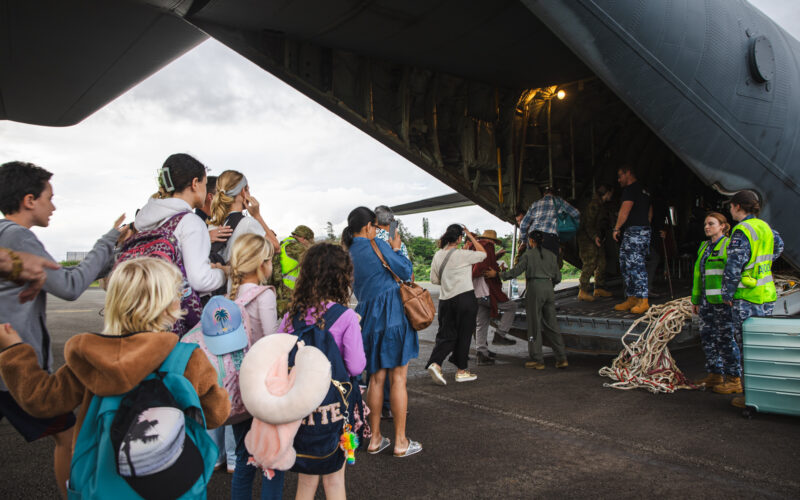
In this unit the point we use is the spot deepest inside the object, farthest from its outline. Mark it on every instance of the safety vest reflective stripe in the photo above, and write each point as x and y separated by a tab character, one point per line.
762	281
750	229
715	291
760	258
714	272
289	277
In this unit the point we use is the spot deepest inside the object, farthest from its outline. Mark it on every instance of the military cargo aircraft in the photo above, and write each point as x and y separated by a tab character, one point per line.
495	98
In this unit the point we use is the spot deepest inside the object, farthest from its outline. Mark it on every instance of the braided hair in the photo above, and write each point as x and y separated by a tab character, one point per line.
326	275
537	237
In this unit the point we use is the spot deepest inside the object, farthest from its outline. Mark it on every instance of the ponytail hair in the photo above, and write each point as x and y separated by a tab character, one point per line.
747	201
222	202
356	220
537	237
451	235
723	221
177	174
248	253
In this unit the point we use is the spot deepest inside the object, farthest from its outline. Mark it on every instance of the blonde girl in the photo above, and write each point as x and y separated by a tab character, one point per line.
142	303
231	198
251	265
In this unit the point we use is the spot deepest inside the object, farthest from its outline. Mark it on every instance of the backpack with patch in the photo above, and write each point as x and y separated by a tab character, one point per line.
148	443
318	438
162	243
228	365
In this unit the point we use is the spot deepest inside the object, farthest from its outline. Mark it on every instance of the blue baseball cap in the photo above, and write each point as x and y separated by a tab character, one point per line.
223	328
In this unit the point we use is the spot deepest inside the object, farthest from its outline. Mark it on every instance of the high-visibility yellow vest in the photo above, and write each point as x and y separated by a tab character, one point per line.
757	285
290	268
712	274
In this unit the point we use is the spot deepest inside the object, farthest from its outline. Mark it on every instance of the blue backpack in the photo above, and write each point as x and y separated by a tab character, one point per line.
97	460
317	439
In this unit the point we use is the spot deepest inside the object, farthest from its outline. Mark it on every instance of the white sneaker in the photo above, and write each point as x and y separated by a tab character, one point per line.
466	376
436	374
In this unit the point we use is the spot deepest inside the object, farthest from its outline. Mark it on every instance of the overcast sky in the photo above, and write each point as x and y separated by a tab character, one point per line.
305	165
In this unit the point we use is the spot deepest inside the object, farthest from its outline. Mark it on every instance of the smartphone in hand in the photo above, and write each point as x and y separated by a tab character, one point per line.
392	229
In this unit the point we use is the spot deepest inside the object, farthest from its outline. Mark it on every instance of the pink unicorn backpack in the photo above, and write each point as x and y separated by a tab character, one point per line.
217	319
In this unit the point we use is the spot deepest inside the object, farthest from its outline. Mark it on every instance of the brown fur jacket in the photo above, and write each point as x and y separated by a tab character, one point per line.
106	366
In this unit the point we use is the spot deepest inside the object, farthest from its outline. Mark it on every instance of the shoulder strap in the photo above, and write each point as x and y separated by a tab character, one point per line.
251	294
6	224
178	359
383	261
333	313
233	220
173	222
444	262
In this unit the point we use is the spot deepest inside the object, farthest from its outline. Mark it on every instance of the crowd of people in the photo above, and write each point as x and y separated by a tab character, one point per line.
202	240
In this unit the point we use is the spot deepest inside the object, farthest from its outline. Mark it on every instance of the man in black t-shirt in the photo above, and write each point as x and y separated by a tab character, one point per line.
633	225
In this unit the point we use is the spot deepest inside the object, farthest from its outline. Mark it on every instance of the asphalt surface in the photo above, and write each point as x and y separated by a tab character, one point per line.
518	433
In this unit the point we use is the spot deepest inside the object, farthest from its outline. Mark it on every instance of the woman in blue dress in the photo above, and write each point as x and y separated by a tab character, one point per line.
389	340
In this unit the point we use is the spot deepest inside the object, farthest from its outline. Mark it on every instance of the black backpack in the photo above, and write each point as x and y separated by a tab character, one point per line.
317	439
218	247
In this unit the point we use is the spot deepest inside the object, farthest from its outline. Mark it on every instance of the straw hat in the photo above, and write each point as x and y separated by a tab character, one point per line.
489	234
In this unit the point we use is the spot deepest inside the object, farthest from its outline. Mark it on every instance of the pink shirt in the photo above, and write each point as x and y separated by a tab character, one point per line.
346	332
262	312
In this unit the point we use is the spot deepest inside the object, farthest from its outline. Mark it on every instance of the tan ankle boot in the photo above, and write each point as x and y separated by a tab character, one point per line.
641	307
629	302
585	296
732	385
710	380
601	292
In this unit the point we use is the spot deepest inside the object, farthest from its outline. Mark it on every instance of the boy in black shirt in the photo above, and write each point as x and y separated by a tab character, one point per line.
634	218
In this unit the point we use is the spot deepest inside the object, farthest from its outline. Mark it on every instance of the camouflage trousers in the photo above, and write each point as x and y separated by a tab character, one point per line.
632	254
594	263
723	355
742	310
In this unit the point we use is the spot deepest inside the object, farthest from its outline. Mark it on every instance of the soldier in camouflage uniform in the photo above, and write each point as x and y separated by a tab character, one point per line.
590	241
634	217
289	256
737	280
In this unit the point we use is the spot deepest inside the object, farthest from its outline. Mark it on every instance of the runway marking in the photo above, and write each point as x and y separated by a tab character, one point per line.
67	311
577	431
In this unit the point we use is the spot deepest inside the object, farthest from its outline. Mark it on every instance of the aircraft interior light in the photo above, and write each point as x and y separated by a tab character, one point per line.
561	95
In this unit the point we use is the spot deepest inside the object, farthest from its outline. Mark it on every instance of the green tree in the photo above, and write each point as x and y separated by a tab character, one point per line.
329	230
426	229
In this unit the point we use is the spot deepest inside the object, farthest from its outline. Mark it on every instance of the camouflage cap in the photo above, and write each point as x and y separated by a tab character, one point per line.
303	232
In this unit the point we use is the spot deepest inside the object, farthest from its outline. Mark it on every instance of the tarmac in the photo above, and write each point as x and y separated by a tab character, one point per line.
517	433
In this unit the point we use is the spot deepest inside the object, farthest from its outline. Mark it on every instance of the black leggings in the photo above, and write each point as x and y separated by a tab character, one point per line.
456	324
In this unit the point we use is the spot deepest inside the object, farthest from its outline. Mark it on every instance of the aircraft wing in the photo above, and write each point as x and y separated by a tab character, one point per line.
443	202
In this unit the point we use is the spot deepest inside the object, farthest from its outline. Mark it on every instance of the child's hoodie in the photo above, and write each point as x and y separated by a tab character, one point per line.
106	366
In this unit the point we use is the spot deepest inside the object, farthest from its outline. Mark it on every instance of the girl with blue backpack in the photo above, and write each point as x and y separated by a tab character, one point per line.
144	400
319	315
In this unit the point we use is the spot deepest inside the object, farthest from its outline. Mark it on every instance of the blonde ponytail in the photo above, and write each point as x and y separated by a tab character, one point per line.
221	203
248	253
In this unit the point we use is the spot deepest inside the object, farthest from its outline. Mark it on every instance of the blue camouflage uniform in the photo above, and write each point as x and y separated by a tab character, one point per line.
738	256
722	353
632	254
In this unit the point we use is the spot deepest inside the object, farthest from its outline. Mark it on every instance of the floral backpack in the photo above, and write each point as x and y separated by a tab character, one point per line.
228	365
162	243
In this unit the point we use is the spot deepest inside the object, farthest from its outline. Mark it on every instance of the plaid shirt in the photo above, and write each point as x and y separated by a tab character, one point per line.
542	215
384	235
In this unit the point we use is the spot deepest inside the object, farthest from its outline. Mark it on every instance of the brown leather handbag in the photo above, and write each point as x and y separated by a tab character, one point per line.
417	301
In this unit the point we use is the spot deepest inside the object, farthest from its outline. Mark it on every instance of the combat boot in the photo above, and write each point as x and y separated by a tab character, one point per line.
738	402
641	307
601	292
582	295
732	385
710	380
629	302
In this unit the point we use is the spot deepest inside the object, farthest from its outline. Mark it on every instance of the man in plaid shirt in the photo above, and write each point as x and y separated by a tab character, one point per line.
543	216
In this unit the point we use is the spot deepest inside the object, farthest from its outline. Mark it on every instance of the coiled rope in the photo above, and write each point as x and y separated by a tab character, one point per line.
645	361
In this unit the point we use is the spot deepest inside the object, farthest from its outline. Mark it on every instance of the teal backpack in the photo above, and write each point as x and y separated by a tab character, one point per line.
567	225
94	468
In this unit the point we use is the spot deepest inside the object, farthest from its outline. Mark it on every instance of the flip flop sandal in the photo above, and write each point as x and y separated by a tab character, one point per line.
413	448
385	442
